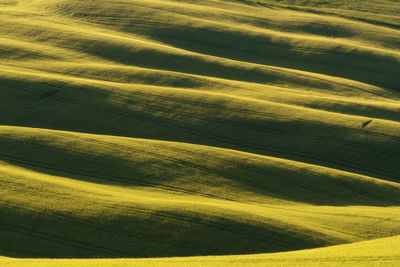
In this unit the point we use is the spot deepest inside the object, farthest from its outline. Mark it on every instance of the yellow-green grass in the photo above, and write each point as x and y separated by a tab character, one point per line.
302	134
164	128
222	173
340	98
379	12
379	252
59	189
347	57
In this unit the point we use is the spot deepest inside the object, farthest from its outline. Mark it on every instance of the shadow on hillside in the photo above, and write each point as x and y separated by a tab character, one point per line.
90	111
265	50
174	175
130	232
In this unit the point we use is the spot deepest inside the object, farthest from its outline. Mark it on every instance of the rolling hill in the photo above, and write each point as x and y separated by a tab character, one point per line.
180	128
385	253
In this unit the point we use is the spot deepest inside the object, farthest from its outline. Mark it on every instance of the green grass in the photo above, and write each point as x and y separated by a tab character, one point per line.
381	12
380	252
149	129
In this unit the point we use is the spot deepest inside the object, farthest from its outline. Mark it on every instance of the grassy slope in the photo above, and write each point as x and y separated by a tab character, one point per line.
50	177
231	121
381	12
384	251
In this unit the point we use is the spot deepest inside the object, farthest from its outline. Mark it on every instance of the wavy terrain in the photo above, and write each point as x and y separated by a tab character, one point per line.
171	128
384	251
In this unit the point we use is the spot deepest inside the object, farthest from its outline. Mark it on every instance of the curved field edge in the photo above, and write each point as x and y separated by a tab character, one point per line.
379	252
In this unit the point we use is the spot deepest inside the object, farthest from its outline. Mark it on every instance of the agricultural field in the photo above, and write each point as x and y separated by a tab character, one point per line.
199	133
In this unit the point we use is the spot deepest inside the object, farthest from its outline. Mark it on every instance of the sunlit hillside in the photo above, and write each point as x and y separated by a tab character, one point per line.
378	252
181	128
